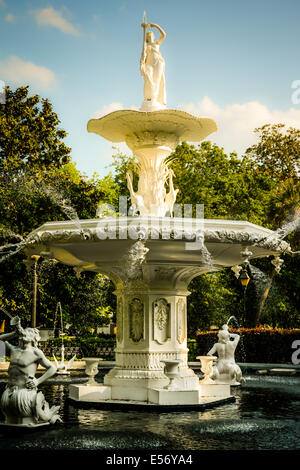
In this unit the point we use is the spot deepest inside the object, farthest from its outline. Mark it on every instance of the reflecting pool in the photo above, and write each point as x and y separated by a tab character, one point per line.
266	415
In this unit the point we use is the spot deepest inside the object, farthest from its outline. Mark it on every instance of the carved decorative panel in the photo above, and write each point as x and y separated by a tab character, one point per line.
161	321
136	320
181	323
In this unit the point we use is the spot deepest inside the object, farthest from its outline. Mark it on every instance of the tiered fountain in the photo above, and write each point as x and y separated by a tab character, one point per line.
151	298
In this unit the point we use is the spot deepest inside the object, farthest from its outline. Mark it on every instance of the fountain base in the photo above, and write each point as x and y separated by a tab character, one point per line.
203	394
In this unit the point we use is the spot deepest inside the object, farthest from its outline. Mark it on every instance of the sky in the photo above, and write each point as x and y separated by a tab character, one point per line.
235	61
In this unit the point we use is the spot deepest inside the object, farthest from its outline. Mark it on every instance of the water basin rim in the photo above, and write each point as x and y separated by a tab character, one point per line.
184	125
155	220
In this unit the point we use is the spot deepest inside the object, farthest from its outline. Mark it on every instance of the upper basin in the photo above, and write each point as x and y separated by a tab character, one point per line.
95	244
119	125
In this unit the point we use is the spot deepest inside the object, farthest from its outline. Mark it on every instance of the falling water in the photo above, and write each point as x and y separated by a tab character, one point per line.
265	295
199	244
134	259
261	280
262	284
289	227
206	256
242	346
56	196
13	248
46	266
7	233
6	312
60	199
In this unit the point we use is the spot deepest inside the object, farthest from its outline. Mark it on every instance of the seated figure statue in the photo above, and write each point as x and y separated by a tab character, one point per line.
21	403
226	370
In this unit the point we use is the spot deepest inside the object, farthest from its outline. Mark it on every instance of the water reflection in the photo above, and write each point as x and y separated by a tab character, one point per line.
264	416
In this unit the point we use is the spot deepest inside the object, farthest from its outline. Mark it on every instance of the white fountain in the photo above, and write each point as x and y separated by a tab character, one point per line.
62	367
169	251
23	406
225	370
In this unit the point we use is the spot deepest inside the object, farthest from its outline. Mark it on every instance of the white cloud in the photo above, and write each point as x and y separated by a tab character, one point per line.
2	3
237	122
106	109
10	18
110	108
20	72
51	17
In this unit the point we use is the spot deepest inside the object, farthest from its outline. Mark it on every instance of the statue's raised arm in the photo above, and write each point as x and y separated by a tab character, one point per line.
152	67
162	33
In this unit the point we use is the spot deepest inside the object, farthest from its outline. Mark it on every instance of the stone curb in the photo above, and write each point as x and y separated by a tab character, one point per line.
80	365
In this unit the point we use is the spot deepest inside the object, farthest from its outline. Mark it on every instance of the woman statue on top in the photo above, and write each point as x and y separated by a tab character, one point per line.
152	68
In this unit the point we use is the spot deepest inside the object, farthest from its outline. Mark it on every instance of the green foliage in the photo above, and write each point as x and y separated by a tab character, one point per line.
38	183
277	153
262	187
30	135
228	186
273	346
214	297
83	347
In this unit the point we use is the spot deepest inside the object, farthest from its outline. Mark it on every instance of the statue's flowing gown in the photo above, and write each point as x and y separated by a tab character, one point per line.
153	71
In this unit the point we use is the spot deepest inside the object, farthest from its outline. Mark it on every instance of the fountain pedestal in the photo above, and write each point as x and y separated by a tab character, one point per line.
151	332
151	327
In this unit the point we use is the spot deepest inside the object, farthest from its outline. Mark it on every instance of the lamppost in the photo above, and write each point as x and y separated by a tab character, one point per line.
244	278
35	258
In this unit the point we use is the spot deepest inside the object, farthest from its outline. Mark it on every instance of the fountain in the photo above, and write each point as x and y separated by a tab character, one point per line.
21	403
151	300
91	370
226	371
62	366
172	372
207	368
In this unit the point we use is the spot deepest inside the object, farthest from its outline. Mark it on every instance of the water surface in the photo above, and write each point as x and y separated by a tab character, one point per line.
266	416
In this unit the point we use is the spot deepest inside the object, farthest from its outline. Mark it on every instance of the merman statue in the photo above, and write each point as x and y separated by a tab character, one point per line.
226	370
21	402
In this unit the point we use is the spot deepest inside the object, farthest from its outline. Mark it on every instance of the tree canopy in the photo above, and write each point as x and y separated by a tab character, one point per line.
39	182
241	188
30	135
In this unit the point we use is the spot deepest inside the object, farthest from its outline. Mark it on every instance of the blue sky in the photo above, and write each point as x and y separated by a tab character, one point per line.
234	61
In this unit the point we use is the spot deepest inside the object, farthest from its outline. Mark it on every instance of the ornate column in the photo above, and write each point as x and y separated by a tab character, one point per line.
151	326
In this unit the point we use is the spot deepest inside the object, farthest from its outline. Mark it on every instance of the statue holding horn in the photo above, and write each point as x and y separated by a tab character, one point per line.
152	67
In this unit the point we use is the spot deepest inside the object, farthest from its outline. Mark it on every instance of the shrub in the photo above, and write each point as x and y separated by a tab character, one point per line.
82	347
266	345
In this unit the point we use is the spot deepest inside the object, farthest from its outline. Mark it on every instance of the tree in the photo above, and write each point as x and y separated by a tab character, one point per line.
240	189
228	186
29	133
38	183
277	153
214	298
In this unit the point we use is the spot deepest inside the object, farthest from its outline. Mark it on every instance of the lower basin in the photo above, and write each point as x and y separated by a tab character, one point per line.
265	416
